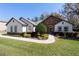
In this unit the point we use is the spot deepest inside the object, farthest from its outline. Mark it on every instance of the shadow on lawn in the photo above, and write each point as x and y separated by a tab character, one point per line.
69	38
12	35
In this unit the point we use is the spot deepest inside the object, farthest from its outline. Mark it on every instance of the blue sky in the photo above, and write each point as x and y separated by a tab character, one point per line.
8	10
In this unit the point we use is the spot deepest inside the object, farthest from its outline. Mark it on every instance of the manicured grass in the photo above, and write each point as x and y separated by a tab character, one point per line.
60	47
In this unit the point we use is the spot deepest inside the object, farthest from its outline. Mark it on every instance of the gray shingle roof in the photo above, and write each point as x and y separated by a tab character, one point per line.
26	20
16	20
22	22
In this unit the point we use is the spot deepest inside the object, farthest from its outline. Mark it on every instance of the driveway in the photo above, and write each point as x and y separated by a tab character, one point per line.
51	39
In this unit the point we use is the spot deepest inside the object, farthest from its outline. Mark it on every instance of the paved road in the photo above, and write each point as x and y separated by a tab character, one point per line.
51	39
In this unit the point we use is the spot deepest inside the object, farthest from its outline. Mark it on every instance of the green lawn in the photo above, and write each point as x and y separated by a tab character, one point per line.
60	47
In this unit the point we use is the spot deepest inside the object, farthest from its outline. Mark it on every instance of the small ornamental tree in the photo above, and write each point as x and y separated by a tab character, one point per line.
41	28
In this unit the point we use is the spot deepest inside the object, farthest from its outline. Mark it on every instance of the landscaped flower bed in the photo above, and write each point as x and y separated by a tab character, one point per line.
27	35
43	36
39	36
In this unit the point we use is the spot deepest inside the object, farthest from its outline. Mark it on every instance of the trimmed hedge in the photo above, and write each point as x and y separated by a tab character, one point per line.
66	34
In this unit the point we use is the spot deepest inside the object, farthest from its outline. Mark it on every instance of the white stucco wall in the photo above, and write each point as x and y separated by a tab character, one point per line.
15	23
70	27
20	28
2	26
29	27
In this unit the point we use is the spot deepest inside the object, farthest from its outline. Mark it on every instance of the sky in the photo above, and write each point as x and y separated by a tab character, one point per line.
31	10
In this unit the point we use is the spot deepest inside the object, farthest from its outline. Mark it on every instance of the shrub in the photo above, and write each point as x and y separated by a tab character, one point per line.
26	35
41	28
33	34
45	36
76	29
22	34
39	37
59	33
42	36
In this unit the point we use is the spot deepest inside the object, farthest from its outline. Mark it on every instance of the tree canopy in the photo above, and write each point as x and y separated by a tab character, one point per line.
71	12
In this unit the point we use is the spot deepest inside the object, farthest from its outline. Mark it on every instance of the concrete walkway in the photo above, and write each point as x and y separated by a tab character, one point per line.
50	39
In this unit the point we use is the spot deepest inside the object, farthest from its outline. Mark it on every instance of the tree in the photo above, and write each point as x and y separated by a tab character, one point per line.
57	15
44	15
71	11
35	19
41	17
41	28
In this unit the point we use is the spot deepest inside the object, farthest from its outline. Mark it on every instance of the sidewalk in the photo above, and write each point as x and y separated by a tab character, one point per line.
50	39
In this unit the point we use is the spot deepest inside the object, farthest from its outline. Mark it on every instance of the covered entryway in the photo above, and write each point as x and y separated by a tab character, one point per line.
50	29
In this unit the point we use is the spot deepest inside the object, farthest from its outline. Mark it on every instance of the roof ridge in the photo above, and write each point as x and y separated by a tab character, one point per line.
26	20
46	18
16	20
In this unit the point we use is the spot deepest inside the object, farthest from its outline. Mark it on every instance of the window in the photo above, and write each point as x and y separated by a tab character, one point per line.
15	28
66	28
62	22
11	29
13	20
59	29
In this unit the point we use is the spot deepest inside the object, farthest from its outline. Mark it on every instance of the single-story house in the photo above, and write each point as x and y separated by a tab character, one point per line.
52	23
2	26
20	26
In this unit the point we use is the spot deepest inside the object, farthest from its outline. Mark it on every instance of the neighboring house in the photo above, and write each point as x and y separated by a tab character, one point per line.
52	23
19	26
2	26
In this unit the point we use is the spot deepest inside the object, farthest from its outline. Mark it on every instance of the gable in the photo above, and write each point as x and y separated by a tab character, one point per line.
51	20
13	22
26	21
18	21
63	23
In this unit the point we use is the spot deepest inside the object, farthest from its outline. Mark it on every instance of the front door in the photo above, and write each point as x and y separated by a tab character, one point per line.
50	29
